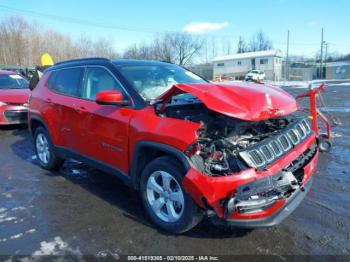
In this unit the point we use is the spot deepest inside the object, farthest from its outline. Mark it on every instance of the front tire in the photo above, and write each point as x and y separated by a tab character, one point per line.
44	150
164	198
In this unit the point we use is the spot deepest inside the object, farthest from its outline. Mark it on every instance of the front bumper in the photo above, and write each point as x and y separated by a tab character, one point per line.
213	193
275	218
252	78
10	115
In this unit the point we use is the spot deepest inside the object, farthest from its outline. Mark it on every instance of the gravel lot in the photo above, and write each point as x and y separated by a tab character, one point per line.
80	211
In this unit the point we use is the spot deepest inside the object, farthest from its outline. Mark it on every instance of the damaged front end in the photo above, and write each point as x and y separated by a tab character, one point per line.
227	145
261	194
244	169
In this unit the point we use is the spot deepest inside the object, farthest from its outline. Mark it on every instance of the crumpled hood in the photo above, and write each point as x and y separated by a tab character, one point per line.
19	96
246	101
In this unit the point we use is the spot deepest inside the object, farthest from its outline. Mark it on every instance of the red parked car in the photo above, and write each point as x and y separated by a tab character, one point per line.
14	95
240	154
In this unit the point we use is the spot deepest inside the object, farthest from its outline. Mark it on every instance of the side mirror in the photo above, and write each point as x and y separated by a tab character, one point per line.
111	97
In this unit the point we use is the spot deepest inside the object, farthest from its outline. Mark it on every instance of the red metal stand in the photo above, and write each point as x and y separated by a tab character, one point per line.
316	116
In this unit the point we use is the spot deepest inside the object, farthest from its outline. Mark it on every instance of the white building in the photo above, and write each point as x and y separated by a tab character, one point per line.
237	65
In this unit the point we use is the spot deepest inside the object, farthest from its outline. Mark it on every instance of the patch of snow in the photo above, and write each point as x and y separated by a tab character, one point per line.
335	109
3	240
7	219
75	172
2	209
293	84
34	157
74	161
6	194
18	208
30	231
102	254
105	253
19	221
335	135
56	247
16	236
341	84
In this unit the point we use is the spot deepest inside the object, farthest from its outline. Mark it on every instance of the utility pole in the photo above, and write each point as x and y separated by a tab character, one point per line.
287	58
325	58
321	68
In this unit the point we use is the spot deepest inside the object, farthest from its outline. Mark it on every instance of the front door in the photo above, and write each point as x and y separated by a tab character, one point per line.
104	129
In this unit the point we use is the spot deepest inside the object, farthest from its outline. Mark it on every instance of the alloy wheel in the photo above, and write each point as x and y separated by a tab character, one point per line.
42	148
165	196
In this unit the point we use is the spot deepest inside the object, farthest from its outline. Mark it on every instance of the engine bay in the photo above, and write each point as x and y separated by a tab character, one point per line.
221	138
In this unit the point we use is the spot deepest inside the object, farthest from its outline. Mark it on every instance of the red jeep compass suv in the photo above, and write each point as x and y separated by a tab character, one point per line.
238	153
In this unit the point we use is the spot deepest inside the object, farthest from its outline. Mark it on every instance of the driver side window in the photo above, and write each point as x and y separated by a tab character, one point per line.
99	79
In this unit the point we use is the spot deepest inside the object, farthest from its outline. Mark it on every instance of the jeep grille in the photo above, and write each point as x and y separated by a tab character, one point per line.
269	150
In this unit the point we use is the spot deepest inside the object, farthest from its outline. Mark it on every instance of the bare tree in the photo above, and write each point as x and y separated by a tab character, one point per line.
22	43
241	46
179	48
260	42
162	48
209	50
185	47
131	52
13	38
226	46
142	51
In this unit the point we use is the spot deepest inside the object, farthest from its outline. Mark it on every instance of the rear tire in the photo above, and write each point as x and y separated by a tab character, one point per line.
44	150
164	198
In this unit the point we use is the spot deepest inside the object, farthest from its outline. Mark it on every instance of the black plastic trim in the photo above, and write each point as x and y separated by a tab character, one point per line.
39	119
83	60
69	153
158	146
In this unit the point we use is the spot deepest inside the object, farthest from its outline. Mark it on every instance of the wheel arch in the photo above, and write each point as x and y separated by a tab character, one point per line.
35	122
146	151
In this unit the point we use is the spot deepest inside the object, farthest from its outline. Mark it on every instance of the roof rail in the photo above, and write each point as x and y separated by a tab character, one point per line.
83	59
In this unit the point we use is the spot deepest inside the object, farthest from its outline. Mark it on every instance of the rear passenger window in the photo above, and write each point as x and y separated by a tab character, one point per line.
67	81
52	79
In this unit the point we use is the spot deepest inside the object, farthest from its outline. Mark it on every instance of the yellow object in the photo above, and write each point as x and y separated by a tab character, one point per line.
46	60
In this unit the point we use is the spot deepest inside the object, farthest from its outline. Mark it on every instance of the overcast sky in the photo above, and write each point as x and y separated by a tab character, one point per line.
131	21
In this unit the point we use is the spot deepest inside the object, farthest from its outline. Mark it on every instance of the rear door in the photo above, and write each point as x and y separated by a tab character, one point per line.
66	90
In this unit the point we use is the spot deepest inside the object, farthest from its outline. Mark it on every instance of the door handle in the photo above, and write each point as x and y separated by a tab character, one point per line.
80	109
49	101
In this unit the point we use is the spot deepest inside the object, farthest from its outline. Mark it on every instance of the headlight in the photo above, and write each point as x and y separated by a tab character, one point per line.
2	104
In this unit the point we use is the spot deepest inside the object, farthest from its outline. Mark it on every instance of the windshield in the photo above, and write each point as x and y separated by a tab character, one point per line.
13	82
254	72
153	80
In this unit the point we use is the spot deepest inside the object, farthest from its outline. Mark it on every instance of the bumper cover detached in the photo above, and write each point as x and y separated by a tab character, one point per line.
276	218
271	196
